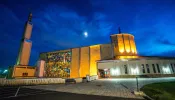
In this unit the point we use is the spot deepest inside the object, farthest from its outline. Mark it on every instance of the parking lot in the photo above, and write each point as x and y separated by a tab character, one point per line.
119	87
16	93
102	89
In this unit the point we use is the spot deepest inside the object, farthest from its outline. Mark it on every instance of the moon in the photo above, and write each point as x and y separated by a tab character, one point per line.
85	34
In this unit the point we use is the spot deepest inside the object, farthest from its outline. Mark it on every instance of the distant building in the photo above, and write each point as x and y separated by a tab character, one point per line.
117	59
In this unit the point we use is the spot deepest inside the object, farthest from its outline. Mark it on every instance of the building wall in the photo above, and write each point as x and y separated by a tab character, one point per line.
18	71
40	68
28	30
106	51
84	61
25	53
115	45
124	45
75	63
135	67
94	56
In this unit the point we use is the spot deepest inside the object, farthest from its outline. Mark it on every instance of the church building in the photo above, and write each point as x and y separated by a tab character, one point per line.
116	59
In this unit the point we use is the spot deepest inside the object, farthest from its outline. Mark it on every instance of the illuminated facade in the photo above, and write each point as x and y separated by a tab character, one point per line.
22	69
143	67
124	45
116	59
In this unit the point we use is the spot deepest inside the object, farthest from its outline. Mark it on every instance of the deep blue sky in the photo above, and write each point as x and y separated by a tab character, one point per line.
59	24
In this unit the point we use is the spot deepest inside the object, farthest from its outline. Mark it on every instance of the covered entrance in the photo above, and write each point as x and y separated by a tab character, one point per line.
104	68
104	73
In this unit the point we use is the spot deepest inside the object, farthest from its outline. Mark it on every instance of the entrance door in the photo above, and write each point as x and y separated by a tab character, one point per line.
104	73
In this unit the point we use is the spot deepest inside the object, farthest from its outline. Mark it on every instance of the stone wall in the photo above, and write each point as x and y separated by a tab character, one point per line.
94	77
39	81
78	80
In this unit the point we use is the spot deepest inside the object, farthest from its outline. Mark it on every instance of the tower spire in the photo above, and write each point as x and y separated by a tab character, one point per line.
119	30
30	17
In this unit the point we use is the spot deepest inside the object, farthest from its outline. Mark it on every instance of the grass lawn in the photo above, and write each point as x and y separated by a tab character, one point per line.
160	91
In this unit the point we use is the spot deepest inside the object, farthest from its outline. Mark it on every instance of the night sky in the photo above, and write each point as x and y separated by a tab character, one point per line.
60	24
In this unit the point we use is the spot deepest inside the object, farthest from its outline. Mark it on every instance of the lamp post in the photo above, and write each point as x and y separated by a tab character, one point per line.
137	83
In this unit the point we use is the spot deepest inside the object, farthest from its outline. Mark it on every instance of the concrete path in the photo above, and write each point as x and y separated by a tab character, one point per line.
120	87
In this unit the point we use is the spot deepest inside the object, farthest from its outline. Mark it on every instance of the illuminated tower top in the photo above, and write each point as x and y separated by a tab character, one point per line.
123	44
28	27
30	17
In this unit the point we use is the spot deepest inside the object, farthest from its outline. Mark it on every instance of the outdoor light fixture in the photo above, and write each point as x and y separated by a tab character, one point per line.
5	71
115	71
127	50
166	70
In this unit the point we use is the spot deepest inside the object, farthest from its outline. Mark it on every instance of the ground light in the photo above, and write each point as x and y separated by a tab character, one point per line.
166	70
5	71
135	71
115	71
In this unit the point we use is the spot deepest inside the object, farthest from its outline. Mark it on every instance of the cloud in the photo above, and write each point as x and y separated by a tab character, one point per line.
61	24
67	24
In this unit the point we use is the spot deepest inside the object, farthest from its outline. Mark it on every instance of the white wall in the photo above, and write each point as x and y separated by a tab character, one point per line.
134	67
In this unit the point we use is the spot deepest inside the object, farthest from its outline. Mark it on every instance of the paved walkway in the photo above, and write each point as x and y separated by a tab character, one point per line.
104	87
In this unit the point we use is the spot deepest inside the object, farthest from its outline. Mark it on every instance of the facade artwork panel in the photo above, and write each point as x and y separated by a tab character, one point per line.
58	64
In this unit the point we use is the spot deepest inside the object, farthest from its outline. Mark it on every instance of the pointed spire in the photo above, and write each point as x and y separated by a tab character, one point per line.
119	30
30	17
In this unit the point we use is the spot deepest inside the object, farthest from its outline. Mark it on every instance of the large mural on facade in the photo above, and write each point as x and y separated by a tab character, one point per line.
58	64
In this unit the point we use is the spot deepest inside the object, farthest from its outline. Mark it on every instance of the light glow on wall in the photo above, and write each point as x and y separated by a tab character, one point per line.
114	71
135	71
121	50
127	50
166	70
124	57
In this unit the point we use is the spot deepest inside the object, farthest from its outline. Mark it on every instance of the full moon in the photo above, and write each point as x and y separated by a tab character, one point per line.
85	34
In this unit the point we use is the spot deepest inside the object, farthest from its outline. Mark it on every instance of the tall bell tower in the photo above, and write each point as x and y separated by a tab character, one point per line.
26	43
